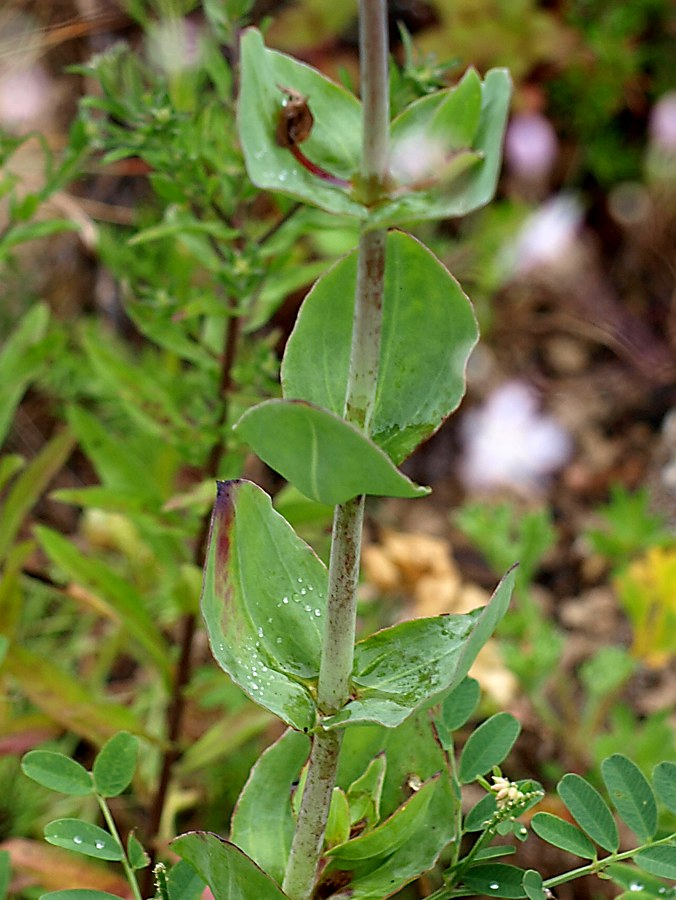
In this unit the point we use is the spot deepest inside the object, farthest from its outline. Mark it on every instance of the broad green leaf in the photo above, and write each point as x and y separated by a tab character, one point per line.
495	880
116	593
398	668
57	772
83	837
136	854
562	834
632	795
325	457
533	885
487	746
402	667
262	824
365	792
387	837
468	190
79	894
460	704
229	873
184	883
30	484
589	810
335	140
263	599
21	358
428	332
115	764
660	861
66	700
417	854
338	823
664	781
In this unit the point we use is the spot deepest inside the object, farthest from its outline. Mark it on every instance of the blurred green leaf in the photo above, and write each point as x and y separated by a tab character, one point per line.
30	484
338	823
5	873
21	359
664	780
78	894
495	880
57	772
659	861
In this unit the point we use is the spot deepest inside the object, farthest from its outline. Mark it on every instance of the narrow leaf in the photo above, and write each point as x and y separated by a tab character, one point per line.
20	361
5	873
632	795
488	746
79	894
57	772
136	854
325	457
229	873
30	484
66	700
562	834
115	764
388	837
90	840
589	810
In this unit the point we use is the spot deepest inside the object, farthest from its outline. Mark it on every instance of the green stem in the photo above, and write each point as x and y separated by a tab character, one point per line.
112	828
338	646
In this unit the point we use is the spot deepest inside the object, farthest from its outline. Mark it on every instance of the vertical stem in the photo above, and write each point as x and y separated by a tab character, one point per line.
338	647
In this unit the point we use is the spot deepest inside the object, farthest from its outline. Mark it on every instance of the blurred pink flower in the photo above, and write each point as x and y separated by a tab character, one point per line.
531	146
508	443
547	235
24	95
662	125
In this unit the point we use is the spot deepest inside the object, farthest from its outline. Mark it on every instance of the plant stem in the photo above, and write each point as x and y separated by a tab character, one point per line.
112	828
338	646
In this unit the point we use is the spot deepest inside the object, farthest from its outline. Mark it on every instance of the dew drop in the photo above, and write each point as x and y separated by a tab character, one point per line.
278	641
77	839
303	592
296	598
636	886
307	608
300	580
285	599
254	686
270	620
310	588
99	845
259	632
318	612
494	886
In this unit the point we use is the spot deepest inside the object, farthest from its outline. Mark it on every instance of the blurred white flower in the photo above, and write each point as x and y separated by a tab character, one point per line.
175	45
508	443
25	93
662	126
416	157
546	236
531	146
